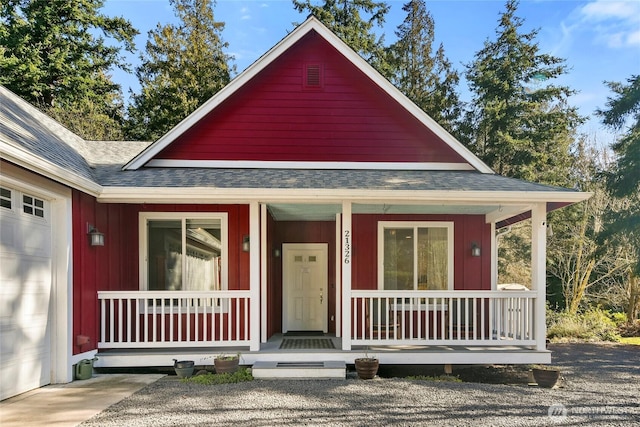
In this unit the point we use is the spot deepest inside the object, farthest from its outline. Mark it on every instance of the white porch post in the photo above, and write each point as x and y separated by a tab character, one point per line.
538	270
263	273
254	275
346	251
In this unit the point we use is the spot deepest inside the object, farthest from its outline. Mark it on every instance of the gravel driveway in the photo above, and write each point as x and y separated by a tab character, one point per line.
602	387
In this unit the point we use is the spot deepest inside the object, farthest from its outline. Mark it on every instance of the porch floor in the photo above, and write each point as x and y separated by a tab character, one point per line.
271	351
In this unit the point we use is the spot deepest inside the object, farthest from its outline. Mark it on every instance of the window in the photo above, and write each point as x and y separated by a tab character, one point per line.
5	198
184	251
415	255
32	206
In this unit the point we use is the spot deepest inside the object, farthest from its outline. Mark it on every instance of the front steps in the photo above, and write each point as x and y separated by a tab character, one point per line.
332	369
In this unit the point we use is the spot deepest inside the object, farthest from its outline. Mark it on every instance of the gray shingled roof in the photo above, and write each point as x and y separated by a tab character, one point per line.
113	176
22	125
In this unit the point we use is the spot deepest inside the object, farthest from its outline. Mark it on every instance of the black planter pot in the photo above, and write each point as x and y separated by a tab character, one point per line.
183	368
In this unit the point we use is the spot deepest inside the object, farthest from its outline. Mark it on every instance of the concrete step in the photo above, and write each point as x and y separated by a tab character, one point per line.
331	369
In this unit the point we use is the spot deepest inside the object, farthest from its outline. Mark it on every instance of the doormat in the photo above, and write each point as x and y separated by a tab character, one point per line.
306	343
304	334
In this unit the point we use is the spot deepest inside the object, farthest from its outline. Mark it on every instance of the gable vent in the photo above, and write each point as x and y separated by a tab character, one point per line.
313	76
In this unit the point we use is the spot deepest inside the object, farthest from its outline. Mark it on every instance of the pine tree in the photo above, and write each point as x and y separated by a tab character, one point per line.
353	22
184	66
522	124
51	55
425	76
624	180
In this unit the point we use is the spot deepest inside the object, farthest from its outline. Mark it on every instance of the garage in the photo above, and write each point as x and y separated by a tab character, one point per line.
25	292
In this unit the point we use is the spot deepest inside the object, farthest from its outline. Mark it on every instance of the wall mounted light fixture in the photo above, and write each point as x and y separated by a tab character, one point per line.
276	252
96	238
246	244
475	249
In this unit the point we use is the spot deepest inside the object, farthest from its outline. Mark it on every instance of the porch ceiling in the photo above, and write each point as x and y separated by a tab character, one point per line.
323	212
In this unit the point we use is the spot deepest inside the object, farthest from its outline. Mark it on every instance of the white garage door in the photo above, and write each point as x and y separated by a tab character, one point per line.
25	292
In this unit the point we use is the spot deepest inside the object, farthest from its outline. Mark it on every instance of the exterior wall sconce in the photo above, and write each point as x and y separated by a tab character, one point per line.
96	238
245	244
276	253
475	249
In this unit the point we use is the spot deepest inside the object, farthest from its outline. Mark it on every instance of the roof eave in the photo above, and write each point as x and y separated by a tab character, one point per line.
48	169
246	195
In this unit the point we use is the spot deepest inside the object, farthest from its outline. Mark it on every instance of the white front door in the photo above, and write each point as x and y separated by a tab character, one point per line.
304	287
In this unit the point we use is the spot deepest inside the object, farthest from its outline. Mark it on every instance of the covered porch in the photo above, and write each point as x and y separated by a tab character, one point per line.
142	328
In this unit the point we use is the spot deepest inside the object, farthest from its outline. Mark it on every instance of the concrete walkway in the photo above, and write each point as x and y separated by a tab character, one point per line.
70	404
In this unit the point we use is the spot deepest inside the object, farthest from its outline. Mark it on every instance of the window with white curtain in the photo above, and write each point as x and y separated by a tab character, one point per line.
184	252
415	255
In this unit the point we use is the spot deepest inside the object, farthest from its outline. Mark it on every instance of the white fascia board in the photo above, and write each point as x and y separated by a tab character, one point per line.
286	195
45	168
258	164
311	23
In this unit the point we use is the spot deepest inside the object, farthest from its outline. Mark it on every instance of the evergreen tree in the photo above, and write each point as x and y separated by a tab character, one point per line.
51	54
425	76
522	124
184	66
624	180
345	18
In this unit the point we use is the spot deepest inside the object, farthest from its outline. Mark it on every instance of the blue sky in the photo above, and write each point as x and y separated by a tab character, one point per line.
599	39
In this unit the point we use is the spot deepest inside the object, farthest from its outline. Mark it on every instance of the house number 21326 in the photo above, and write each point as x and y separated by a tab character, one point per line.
347	246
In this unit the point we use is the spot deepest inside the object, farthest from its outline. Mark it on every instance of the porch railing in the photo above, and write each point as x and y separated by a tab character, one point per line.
497	318
148	319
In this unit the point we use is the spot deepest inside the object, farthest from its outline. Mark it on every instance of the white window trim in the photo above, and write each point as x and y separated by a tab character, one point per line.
144	217
415	225
17	204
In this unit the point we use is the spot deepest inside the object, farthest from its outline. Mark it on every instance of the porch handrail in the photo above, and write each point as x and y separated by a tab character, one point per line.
491	317
152	319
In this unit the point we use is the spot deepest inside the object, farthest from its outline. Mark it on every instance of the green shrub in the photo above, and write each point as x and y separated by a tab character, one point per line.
241	375
594	324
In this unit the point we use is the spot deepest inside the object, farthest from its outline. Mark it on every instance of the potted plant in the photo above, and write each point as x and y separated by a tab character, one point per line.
183	368
546	376
226	364
367	367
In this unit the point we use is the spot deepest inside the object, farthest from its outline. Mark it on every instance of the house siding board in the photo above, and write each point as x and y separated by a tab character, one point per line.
115	266
274	118
470	273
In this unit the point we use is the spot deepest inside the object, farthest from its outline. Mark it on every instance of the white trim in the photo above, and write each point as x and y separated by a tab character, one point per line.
254	276
47	169
310	24
414	225
320	195
345	262
338	281
264	271
144	217
494	257
538	270
277	164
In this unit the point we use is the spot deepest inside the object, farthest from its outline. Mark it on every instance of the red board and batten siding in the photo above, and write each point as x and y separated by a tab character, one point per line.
114	266
275	117
470	273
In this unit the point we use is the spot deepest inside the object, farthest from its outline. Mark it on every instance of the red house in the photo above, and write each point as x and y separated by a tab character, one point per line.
309	195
